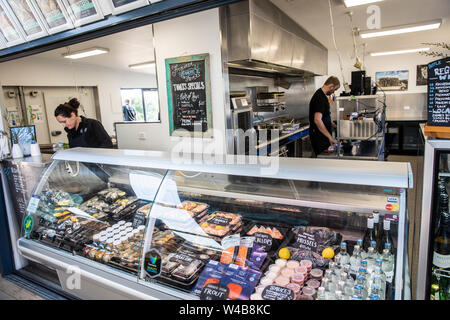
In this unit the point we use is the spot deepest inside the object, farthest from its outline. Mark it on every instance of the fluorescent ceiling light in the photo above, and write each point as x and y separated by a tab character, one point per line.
386	53
354	3
85	53
402	29
142	65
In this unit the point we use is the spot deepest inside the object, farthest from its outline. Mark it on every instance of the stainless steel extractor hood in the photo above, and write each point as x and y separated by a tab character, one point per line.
263	38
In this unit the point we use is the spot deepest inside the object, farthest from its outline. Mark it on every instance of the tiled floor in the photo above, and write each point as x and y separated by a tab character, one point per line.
11	291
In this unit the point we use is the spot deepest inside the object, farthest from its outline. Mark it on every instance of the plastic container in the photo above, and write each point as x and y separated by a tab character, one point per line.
316	274
281	262
308	291
282	281
298	278
274	268
292	264
286	272
313	283
307	264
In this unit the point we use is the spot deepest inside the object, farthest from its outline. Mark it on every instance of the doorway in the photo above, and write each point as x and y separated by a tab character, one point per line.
25	106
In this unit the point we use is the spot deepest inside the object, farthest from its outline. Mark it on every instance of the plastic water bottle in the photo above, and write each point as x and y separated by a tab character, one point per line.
371	257
360	282
374	295
359	242
321	294
343	255
388	263
355	259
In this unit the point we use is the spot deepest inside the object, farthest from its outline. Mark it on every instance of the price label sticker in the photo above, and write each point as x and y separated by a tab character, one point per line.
306	241
273	292
33	204
263	240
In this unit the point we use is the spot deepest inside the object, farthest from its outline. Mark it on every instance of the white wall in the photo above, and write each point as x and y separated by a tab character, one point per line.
193	34
36	71
376	64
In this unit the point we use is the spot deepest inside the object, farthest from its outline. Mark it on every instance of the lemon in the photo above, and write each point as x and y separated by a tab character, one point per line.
284	253
328	253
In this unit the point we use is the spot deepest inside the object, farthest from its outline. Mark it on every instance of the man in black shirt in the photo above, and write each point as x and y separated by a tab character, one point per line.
320	124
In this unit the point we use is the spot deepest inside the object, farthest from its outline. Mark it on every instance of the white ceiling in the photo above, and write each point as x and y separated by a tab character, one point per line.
127	47
314	16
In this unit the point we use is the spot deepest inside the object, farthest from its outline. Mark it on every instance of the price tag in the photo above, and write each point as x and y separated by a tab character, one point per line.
306	241
220	221
138	219
33	204
214	291
263	240
273	292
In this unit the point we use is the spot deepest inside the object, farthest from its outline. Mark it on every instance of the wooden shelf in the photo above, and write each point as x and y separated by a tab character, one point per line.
437	132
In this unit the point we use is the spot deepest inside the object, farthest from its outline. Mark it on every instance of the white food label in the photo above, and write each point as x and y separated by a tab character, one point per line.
441	261
33	204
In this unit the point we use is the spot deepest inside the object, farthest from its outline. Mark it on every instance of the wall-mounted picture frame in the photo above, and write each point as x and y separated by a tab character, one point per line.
393	80
188	82
83	11
121	6
54	14
422	75
9	28
26	16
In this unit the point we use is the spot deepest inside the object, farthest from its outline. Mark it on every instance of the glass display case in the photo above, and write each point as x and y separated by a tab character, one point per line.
433	279
139	224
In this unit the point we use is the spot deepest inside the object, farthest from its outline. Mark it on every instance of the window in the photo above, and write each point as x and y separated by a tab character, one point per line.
145	102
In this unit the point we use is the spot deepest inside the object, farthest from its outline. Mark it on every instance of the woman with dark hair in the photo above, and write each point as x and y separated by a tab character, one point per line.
81	131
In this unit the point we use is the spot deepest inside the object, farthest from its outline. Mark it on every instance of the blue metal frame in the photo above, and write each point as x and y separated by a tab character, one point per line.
153	13
6	253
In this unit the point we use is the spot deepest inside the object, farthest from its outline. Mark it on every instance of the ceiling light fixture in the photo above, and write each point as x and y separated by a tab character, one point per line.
85	53
386	53
354	3
431	25
142	65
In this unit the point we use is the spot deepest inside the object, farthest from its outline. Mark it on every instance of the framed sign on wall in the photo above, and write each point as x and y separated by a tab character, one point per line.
121	6
438	93
83	11
9	28
189	95
27	18
54	14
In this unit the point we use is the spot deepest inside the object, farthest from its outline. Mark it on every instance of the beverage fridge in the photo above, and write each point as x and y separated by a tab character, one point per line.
433	278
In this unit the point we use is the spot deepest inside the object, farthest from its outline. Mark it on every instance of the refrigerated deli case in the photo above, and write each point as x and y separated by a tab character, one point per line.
125	224
436	169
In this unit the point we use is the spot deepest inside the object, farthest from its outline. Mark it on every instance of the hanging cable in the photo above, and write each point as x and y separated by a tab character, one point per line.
346	87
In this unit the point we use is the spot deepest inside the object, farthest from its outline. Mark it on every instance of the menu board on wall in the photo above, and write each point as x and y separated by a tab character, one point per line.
8	28
27	18
189	94
54	14
121	6
83	11
439	93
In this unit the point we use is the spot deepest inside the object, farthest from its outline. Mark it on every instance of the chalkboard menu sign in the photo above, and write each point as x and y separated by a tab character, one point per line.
439	93
189	94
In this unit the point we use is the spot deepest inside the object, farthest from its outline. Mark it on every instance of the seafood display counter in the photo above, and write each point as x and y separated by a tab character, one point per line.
119	224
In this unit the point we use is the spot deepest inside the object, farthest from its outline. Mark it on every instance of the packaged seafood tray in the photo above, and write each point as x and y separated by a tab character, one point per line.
180	270
111	195
240	281
195	209
220	224
307	243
